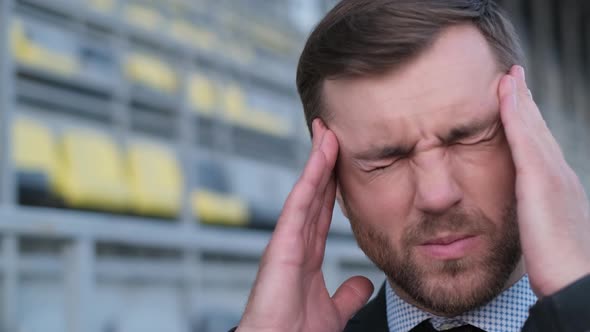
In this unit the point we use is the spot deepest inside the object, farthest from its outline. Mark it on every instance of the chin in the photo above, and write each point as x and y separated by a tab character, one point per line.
457	277
449	288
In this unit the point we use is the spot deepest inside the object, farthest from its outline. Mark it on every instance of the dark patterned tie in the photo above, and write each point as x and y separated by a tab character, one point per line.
425	326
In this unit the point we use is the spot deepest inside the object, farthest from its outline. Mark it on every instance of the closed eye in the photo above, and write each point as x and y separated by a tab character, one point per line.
379	169
383	166
482	137
473	141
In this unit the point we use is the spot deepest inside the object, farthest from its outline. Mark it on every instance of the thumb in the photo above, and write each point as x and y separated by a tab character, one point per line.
351	296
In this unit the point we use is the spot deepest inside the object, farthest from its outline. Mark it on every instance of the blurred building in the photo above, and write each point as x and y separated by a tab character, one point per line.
148	147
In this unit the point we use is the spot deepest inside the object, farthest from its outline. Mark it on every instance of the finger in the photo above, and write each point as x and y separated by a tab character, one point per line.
519	74
326	150
312	181
525	102
314	215
325	218
318	217
523	137
330	148
351	296
511	120
320	229
527	133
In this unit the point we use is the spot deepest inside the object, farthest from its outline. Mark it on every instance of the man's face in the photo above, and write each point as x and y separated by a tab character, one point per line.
426	176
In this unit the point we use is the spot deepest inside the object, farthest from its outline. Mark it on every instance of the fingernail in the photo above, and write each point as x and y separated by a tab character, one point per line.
522	73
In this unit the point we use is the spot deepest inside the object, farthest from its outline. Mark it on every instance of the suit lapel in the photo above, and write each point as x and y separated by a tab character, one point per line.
372	317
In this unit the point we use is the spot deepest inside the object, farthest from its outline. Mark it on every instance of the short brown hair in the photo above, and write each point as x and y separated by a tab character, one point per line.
368	37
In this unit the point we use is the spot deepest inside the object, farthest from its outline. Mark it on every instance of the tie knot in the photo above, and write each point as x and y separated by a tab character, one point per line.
444	324
452	325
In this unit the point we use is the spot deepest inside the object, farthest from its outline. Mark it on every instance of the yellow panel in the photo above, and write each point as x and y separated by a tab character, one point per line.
92	173
152	72
249	119
28	53
144	17
215	208
155	180
193	35
202	94
266	122
234	103
34	148
272	38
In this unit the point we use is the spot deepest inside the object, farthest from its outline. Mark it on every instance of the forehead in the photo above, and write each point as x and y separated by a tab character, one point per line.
454	81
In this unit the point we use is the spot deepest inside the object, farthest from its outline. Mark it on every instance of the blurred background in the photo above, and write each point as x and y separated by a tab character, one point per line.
148	145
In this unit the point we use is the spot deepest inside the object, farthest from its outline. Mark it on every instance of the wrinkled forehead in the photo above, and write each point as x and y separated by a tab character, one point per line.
456	80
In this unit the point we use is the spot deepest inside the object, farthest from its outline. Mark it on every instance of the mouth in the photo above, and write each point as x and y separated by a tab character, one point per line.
450	246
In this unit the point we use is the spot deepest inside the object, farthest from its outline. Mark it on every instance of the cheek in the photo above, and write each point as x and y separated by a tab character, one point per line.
487	178
384	203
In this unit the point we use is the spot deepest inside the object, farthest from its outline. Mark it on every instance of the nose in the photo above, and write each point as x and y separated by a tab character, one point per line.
436	188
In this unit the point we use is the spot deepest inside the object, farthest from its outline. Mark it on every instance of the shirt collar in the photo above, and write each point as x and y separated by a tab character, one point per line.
507	312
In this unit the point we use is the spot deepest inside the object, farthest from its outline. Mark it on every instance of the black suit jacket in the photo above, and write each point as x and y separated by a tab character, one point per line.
566	311
372	317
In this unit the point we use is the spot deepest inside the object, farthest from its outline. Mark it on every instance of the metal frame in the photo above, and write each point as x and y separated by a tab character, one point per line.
7	191
81	231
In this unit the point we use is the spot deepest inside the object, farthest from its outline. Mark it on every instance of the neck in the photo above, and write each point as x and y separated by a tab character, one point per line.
518	272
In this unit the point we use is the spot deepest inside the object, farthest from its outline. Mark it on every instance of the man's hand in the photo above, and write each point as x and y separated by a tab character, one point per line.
553	211
290	293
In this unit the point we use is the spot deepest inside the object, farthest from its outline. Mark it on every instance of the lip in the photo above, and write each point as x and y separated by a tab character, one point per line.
448	239
450	246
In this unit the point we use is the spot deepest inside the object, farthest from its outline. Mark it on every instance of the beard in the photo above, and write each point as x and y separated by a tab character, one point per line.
447	287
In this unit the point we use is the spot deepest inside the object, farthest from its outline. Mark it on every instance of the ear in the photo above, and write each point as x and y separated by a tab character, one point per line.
341	201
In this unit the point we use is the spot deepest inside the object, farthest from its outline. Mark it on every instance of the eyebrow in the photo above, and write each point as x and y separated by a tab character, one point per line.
385	152
455	134
468	130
